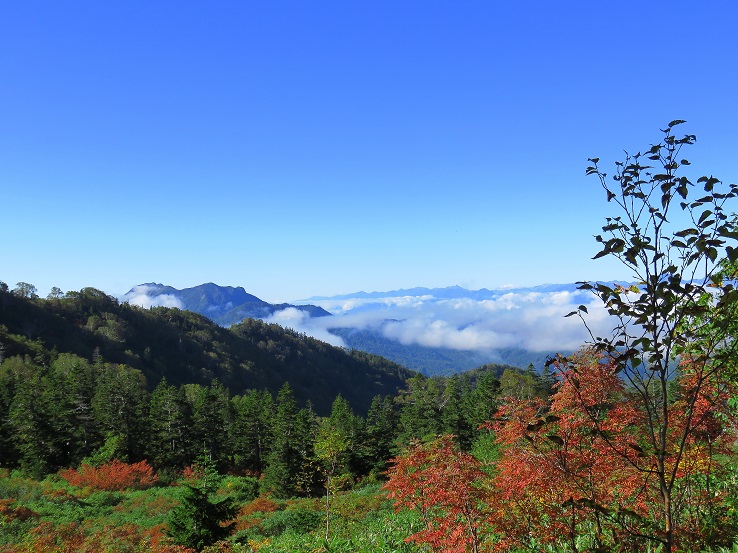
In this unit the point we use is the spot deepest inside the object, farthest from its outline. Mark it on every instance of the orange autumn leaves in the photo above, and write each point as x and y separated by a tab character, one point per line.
112	476
575	470
442	483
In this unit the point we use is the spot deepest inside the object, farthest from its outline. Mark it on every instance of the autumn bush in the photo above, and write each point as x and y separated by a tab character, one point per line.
254	512
9	511
575	472
446	486
78	538
112	476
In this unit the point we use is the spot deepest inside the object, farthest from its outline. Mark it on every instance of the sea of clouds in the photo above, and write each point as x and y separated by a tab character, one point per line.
526	319
531	319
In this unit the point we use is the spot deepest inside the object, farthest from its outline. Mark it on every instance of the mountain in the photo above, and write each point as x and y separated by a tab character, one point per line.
187	348
450	292
436	361
437	331
224	305
443	330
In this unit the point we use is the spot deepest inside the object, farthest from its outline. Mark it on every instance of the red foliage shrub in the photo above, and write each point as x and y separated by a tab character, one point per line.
443	484
10	512
192	472
249	515
259	505
60	538
113	476
74	538
588	461
580	471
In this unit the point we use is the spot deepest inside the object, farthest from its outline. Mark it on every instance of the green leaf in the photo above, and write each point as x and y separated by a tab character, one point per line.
602	253
705	215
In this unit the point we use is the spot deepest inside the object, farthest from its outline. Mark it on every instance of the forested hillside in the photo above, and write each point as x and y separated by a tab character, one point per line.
187	348
84	378
68	401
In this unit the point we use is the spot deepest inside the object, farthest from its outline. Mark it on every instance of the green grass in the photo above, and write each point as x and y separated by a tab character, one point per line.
362	520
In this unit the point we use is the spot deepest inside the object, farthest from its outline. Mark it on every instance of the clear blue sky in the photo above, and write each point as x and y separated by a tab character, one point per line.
316	148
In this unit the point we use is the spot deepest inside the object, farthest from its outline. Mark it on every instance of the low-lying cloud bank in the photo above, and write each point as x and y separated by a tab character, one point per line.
530	320
140	296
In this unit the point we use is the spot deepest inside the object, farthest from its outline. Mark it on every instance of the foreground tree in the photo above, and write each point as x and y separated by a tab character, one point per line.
680	306
283	463
444	484
331	444
581	474
201	519
628	452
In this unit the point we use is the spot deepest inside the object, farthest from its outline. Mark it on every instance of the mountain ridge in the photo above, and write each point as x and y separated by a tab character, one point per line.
456	291
375	335
224	305
189	348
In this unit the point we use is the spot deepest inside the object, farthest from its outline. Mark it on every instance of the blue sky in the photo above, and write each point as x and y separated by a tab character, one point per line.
318	148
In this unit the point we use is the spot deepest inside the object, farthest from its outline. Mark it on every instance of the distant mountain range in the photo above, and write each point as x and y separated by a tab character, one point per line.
224	305
431	330
450	292
436	361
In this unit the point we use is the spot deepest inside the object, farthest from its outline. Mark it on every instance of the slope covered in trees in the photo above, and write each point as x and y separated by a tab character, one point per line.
187	348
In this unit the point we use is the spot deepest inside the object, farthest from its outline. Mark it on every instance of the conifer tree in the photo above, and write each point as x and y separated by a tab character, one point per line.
283	461
169	426
382	422
420	416
28	421
199	519
211	420
307	478
452	415
252	433
120	404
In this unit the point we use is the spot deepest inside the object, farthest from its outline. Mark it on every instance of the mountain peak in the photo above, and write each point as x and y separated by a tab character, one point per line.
225	305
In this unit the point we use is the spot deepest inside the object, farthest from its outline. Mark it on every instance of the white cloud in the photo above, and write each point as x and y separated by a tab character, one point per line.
530	320
140	295
300	321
